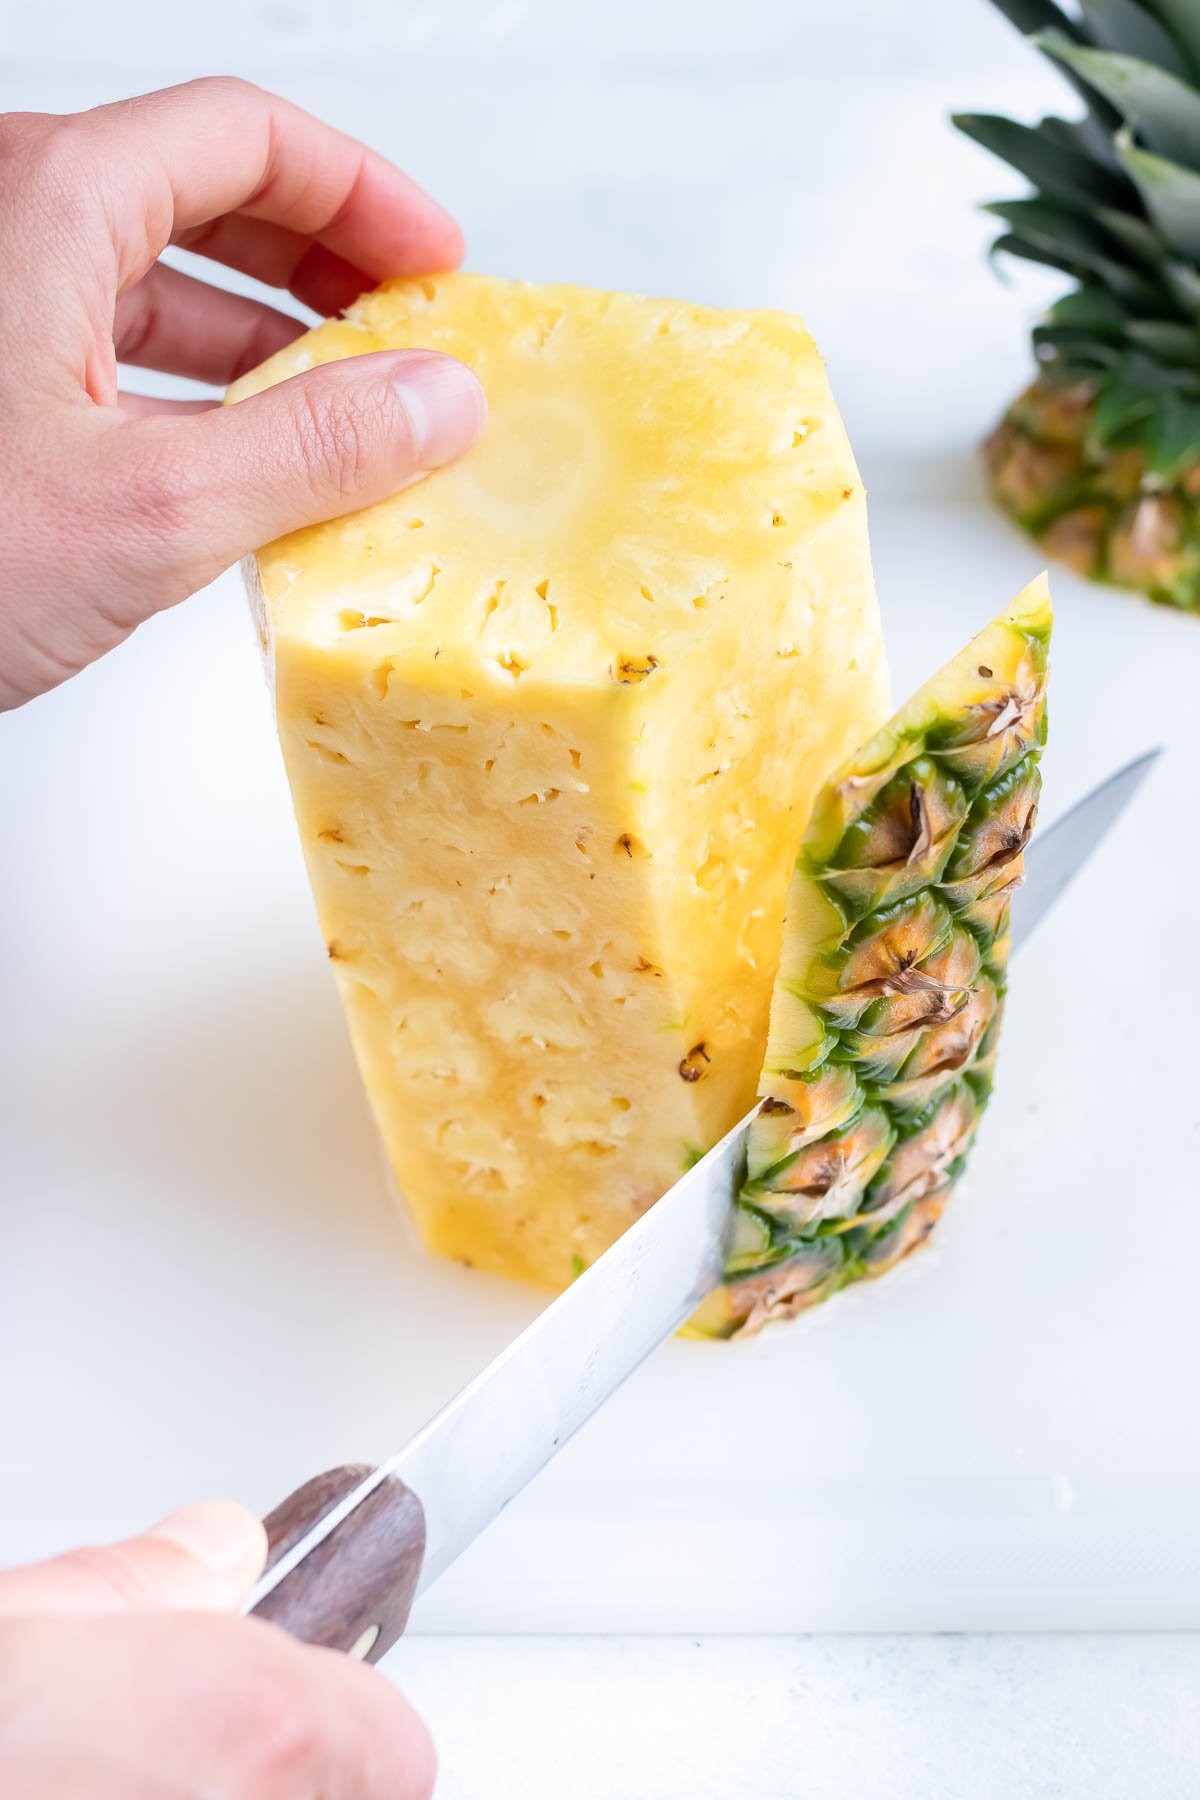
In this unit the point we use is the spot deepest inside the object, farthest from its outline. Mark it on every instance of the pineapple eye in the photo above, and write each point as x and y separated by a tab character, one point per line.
695	1064
632	669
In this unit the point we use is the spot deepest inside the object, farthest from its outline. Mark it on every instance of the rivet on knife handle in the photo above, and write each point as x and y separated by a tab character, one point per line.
353	1591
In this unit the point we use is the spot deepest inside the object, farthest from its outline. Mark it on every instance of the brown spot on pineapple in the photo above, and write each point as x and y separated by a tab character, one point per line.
922	1163
1075	538
1121	472
356	621
695	1064
826	1180
643	967
785	1290
1027	475
1007	720
894	1246
1146	548
951	1043
1056	415
631	669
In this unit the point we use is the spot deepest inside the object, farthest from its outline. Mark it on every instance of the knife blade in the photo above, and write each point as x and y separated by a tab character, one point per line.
351	1550
1055	857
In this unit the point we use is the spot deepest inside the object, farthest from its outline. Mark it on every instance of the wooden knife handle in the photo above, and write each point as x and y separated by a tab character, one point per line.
354	1591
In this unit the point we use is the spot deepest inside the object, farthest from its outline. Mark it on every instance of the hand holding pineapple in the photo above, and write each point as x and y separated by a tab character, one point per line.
117	505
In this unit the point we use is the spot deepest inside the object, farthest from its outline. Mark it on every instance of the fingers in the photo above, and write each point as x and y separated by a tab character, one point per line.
149	406
159	505
198	1704
168	321
202	1557
326	442
282	258
221	145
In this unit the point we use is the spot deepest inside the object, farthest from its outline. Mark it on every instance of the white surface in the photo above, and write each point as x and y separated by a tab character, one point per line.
942	1718
202	1250
203	1286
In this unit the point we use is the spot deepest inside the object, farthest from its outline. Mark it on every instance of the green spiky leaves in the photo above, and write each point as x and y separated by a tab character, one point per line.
887	1007
1116	205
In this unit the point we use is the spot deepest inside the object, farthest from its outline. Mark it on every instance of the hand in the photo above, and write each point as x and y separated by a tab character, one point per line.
117	506
123	1677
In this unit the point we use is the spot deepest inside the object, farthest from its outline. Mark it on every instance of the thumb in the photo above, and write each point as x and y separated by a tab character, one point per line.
323	443
202	1558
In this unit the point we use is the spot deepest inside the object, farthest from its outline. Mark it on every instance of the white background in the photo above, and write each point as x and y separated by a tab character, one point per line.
170	1025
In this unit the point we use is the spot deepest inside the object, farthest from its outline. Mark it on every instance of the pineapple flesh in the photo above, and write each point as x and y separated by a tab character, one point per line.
553	720
887	1009
1100	458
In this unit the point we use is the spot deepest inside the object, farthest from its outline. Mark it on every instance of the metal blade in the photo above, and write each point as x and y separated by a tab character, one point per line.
493	1437
481	1449
1056	857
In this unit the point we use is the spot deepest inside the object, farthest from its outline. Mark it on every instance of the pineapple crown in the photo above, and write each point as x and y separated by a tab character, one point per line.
1116	205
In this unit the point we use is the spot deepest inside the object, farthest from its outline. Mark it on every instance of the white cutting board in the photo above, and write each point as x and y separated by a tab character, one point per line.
205	1288
203	1284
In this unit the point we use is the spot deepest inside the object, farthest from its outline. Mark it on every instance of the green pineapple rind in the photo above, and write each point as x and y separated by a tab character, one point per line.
891	984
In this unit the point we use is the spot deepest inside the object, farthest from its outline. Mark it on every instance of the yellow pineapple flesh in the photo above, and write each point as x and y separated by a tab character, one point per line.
553	720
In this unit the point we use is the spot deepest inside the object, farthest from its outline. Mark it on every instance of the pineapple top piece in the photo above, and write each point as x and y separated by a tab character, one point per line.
645	461
886	1011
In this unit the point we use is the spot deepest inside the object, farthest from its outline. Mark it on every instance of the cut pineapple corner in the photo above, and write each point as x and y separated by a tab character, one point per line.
553	719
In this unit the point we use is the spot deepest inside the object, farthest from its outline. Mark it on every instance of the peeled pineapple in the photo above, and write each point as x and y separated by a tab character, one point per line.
886	1015
554	719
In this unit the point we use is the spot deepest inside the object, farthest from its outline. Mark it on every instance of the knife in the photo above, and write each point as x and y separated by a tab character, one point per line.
351	1549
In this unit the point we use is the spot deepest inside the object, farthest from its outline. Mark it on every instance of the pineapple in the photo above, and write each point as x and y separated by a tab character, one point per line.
887	1008
554	719
1100	458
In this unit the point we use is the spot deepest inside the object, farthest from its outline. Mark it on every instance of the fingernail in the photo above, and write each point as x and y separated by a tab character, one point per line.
223	1536
445	404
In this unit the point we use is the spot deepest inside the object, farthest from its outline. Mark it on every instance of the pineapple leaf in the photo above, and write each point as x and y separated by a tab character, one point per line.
1142	401
1091	309
1184	284
1040	15
1136	236
1070	347
1168	341
1068	241
1009	244
1085	137
1171	193
1163	109
1059	227
1122	404
1054	167
1034	16
1125	26
1091	327
1182	20
1173	435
